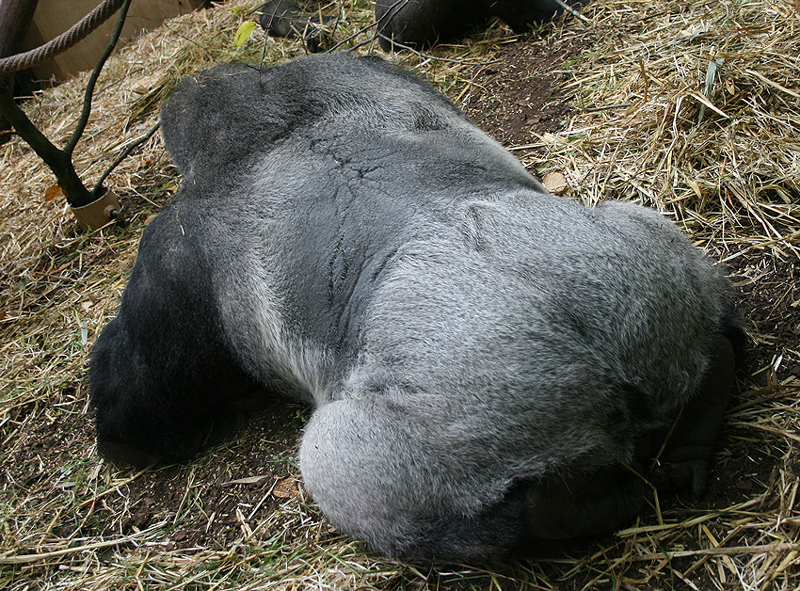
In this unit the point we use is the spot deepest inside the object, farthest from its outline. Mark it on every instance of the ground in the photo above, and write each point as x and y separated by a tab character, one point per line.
237	517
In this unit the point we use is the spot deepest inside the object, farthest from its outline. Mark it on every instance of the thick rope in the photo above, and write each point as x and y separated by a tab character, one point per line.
63	42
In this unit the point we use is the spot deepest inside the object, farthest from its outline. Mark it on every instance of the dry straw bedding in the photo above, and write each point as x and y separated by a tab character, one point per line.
729	175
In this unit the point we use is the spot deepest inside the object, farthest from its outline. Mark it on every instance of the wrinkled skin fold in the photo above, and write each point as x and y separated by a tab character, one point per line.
488	364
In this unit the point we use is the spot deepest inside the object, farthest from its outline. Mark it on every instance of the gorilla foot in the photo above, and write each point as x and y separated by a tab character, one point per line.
684	460
585	505
282	18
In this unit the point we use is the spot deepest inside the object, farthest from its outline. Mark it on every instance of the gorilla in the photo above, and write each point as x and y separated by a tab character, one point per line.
489	365
418	23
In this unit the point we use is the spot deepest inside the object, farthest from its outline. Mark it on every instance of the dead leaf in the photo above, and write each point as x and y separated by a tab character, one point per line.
555	182
53	192
286	488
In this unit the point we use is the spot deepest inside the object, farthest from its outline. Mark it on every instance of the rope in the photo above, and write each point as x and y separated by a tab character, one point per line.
67	39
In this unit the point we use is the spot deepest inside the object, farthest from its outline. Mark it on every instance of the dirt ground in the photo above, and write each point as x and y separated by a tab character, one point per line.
214	500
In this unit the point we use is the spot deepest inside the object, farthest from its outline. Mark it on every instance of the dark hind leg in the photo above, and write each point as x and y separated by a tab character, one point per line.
603	500
283	18
422	23
687	447
584	505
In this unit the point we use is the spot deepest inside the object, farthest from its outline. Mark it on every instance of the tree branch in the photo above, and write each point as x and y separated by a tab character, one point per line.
87	97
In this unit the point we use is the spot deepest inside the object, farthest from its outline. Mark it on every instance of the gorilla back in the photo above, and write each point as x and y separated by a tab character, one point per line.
345	236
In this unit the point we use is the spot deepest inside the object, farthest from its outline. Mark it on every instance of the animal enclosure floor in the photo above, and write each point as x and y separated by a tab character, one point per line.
237	517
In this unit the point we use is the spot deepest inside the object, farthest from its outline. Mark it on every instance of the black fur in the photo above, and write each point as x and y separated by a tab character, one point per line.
427	22
282	18
413	22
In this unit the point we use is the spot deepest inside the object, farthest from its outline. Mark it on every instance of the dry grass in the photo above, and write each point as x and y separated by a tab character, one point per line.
694	112
731	177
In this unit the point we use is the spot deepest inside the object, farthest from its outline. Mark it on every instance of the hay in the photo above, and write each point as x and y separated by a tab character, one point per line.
692	110
728	174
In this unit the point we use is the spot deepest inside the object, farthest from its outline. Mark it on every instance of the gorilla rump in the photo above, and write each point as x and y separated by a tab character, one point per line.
483	358
415	22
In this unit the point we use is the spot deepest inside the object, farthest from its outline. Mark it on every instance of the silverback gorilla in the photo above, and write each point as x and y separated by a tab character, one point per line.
415	22
488	364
